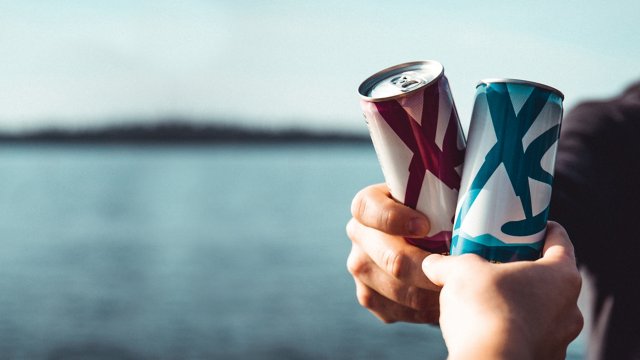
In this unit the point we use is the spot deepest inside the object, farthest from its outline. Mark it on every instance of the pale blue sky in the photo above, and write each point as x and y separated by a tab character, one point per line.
291	63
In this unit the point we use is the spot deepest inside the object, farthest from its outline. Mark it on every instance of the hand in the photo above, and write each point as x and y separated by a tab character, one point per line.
519	310
386	269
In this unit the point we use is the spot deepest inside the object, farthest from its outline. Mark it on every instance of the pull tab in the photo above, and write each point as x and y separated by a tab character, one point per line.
406	82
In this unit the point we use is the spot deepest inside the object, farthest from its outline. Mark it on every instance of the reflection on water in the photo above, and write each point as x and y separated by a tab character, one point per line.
187	252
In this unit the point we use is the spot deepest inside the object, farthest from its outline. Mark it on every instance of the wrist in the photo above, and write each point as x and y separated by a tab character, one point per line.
491	353
495	343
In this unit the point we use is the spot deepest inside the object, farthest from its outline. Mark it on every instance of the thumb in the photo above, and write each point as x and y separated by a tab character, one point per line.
557	246
437	268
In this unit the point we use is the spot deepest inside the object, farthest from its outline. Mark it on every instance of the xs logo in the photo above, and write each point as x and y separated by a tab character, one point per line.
519	163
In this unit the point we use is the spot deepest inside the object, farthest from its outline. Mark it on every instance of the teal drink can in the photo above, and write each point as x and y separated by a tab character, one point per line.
507	179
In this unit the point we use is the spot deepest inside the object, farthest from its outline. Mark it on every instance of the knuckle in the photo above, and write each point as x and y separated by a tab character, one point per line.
412	298
395	263
356	265
366	298
576	283
577	279
359	204
388	219
578	324
573	329
573	282
351	229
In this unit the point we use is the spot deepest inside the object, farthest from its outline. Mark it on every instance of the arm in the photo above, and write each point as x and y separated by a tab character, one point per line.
520	310
484	308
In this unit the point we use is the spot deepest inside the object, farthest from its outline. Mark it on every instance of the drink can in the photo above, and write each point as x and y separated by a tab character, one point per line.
506	182
416	133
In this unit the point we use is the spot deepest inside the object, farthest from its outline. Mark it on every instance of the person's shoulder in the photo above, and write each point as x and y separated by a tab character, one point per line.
589	117
606	114
593	109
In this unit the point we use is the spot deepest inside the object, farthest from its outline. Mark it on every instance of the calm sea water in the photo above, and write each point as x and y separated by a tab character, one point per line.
230	252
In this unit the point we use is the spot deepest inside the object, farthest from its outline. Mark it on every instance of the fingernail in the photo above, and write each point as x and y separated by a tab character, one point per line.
418	226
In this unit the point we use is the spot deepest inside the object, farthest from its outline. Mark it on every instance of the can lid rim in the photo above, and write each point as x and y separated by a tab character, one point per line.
367	84
523	82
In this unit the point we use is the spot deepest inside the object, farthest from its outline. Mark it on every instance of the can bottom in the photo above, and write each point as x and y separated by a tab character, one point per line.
438	244
498	254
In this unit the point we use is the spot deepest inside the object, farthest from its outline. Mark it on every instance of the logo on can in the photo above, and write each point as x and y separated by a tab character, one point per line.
416	133
505	195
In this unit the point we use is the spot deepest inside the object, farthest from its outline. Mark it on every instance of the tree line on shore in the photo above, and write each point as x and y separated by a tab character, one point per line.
180	132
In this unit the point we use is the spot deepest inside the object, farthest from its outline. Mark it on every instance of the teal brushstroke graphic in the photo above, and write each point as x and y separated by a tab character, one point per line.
490	247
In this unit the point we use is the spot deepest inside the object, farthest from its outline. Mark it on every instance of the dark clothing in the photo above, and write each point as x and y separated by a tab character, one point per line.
596	197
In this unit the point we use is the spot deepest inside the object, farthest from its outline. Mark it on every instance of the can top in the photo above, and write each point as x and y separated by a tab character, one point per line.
521	82
396	81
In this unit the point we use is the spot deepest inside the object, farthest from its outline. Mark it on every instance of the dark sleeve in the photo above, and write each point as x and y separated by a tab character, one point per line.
596	198
596	183
574	199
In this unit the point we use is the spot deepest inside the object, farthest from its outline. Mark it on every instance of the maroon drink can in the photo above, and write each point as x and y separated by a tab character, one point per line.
416	133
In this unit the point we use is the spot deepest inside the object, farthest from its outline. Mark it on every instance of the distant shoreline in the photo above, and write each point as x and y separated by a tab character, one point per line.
181	133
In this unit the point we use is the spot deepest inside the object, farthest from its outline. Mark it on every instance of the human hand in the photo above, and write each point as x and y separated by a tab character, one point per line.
387	269
519	310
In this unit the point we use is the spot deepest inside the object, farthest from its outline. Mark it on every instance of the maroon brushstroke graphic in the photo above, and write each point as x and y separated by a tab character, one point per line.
427	156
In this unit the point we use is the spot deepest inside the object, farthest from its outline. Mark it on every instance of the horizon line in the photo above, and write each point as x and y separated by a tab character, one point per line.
181	132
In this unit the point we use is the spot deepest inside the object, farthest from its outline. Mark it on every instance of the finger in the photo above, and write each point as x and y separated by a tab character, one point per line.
558	254
439	268
392	254
389	312
434	267
366	271
374	207
558	246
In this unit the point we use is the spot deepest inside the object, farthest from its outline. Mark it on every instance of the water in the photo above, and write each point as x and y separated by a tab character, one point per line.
191	252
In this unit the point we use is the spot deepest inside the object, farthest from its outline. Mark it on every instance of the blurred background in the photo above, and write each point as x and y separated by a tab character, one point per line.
176	175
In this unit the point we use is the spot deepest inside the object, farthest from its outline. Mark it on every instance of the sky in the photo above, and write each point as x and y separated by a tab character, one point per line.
291	63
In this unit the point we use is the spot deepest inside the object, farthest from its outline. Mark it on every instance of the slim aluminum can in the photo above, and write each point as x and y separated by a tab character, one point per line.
416	133
506	182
